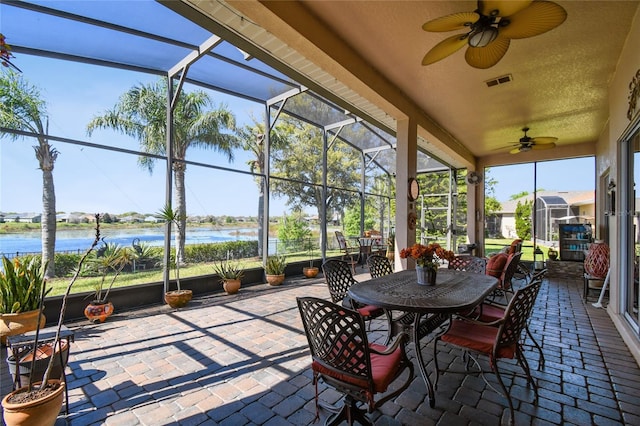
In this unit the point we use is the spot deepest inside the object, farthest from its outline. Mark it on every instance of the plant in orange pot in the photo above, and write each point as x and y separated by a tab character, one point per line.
110	258
274	269
230	274
40	401
21	285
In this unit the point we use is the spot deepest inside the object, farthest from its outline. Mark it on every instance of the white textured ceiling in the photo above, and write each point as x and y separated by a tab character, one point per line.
560	78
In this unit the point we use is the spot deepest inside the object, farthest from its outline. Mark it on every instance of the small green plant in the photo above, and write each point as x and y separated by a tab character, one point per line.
275	265
228	270
21	285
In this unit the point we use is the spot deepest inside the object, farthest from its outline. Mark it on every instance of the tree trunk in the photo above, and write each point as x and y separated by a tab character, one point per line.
46	157
181	209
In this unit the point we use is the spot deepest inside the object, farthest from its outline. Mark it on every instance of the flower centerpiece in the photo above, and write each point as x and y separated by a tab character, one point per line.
427	260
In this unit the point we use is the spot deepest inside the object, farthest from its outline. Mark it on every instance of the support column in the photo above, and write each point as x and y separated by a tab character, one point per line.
406	159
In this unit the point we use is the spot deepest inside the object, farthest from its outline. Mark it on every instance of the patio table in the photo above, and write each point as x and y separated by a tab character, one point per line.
431	306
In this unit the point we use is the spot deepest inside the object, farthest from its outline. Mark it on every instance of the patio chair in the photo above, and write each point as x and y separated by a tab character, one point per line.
498	340
504	275
473	264
379	266
490	312
344	359
350	254
337	274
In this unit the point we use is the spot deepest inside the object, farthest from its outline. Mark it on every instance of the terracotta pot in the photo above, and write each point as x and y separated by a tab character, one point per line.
310	271
41	412
231	286
178	298
23	322
98	312
275	279
43	355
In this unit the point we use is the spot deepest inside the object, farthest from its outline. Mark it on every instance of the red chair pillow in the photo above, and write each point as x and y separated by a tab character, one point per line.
495	265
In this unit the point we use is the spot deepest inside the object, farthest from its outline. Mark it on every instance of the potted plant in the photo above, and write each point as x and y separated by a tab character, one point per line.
274	269
39	403
112	258
175	298
230	274
310	271
21	291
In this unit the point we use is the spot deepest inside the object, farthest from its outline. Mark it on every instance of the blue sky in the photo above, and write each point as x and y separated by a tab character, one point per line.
91	180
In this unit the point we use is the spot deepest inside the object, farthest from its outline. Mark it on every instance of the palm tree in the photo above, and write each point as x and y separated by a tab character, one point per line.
22	108
141	114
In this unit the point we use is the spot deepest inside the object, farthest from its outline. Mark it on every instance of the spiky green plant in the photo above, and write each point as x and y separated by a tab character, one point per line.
21	284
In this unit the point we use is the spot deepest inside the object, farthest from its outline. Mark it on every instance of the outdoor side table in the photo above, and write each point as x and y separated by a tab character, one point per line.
22	344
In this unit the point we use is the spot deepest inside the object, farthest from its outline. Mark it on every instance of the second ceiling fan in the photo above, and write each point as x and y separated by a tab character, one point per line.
527	143
490	28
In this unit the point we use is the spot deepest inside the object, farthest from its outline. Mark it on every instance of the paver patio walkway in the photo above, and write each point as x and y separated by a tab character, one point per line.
243	360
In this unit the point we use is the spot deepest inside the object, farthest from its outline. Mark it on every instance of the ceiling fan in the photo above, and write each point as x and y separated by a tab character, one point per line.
527	143
490	29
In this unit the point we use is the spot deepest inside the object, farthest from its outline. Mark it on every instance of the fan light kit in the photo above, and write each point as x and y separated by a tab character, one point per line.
491	27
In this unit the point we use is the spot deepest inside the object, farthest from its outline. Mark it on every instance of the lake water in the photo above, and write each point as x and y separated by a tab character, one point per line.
79	240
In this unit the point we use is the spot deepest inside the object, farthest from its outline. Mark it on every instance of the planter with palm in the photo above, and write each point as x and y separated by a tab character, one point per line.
109	258
175	298
310	271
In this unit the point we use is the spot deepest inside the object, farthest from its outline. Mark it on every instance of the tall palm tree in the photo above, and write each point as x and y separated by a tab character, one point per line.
141	114
22	108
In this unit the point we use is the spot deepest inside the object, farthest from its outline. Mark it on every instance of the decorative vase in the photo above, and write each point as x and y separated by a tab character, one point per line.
231	286
20	323
596	262
178	298
275	279
98	312
426	276
310	271
552	254
42	412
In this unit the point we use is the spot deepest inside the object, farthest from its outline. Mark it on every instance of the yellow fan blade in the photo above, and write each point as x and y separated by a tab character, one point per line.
456	21
515	150
543	146
502	8
536	19
488	56
544	140
445	48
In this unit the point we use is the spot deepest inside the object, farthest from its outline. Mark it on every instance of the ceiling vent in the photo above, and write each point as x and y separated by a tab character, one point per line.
499	80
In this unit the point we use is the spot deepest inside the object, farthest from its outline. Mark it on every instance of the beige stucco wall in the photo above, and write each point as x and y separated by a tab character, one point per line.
607	149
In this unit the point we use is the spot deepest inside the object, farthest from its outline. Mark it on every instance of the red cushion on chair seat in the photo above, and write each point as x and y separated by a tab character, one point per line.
384	368
479	338
491	312
369	311
495	265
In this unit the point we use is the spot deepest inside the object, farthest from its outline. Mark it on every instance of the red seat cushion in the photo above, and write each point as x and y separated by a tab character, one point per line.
383	369
491	313
495	265
369	311
479	338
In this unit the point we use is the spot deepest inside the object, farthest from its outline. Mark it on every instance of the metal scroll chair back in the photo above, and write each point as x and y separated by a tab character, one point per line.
477	265
379	266
339	278
343	358
506	334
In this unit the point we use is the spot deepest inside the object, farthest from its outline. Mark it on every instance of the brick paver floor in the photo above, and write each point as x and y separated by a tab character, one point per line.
243	360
